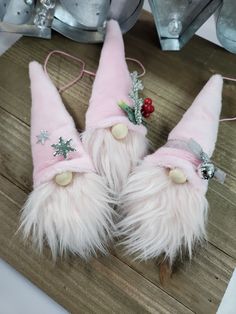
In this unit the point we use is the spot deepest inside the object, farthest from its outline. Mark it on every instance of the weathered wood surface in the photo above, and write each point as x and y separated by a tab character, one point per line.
115	284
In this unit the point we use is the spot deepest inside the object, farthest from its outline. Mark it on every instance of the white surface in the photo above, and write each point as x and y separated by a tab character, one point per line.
228	303
20	296
207	30
7	40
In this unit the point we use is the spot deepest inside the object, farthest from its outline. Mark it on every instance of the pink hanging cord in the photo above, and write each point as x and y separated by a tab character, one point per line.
77	78
83	70
233	80
140	64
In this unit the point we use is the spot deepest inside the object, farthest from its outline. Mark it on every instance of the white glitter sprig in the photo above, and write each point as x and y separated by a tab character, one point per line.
137	101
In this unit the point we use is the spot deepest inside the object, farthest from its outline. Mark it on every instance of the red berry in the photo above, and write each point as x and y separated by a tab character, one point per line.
147	101
150	109
146	115
145	107
143	112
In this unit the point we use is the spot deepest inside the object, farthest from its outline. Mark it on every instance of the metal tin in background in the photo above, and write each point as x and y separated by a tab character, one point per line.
80	20
27	17
226	25
178	20
83	20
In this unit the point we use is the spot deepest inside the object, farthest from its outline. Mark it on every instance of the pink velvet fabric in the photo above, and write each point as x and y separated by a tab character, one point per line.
200	122
48	113
111	85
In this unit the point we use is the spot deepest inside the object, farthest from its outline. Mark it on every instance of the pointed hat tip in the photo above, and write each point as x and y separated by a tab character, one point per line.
113	24
35	68
214	83
217	78
112	21
34	64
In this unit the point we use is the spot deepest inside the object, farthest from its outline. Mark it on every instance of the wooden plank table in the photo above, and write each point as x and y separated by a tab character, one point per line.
116	284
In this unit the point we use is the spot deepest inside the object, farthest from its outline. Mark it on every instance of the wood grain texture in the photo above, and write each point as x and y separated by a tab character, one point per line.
116	284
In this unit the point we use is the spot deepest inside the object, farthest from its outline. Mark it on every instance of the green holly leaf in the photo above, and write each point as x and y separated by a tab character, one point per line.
144	123
128	110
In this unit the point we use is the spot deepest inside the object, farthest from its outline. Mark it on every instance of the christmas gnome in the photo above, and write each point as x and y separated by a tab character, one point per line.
69	205
115	134
164	205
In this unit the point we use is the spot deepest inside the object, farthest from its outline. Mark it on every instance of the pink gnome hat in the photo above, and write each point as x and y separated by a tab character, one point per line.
112	84
49	122
164	214
114	143
69	207
200	123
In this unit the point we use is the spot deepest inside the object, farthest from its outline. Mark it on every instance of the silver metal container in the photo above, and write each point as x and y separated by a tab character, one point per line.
80	20
226	25
27	17
178	20
83	20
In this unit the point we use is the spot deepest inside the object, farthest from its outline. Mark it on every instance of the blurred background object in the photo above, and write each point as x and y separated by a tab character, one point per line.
226	25
84	21
27	17
80	20
178	20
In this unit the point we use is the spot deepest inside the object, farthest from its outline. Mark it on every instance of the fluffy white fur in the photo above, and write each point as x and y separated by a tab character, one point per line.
115	159
160	217
76	218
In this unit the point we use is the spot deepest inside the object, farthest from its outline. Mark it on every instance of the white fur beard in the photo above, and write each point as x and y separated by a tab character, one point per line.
115	159
77	218
160	217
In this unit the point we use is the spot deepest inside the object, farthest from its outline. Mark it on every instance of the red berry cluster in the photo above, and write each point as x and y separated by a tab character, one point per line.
147	108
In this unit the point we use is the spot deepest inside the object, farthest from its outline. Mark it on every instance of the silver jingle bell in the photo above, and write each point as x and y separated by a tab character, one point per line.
49	4
206	170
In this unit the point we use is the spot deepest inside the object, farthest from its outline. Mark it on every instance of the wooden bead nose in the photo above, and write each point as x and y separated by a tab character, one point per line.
177	176
64	178
119	131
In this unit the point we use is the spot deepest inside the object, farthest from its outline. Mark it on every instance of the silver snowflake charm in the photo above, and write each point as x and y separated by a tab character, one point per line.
63	147
42	137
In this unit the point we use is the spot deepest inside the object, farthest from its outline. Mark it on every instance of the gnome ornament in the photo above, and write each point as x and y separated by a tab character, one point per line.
69	206
115	134
164	203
